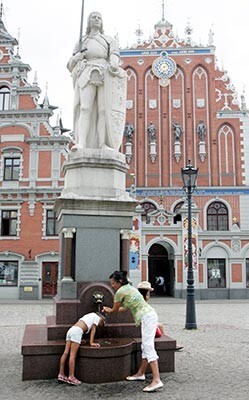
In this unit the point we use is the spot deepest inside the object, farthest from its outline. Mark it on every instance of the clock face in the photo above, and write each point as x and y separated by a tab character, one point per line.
164	67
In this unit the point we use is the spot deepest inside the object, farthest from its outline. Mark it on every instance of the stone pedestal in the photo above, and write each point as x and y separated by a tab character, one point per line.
96	207
95	174
95	215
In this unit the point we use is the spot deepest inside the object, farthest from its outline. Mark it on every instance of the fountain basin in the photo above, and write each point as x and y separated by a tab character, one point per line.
113	361
118	356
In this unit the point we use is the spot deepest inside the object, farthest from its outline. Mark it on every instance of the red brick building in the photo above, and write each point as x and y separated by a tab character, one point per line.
31	156
180	107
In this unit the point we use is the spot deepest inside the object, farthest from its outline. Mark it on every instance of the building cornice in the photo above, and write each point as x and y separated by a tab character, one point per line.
195	51
232	114
20	115
200	191
48	140
22	193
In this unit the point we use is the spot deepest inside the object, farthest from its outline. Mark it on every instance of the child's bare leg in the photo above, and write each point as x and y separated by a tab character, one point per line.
64	357
143	367
155	375
139	375
73	352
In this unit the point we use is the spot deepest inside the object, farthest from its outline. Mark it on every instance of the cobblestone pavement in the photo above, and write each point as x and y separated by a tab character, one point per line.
214	363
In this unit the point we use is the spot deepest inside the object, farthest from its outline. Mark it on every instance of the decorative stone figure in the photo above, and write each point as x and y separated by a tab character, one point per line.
201	130
128	132
152	132
177	131
151	129
99	89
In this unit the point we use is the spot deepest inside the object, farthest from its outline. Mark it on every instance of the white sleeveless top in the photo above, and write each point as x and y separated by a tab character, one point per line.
90	319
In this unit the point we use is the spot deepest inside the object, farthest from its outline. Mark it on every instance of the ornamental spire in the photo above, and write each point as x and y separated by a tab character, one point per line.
139	34
188	31
163	17
18	46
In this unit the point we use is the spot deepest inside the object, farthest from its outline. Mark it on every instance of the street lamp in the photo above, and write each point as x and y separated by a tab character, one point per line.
189	175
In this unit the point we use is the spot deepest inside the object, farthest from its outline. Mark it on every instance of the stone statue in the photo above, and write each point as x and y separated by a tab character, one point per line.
177	131
99	89
201	130
152	132
128	132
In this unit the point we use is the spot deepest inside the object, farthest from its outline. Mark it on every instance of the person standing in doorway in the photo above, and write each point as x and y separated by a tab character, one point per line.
160	282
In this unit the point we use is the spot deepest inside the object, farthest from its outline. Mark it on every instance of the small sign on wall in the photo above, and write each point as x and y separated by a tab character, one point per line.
28	289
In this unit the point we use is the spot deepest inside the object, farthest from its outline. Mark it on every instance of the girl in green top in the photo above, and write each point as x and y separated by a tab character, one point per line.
128	297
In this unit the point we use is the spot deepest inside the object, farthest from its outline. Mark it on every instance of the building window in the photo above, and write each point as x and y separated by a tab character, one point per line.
217	217
11	169
147	208
178	216
8	223
51	223
8	273
4	98
247	272
216	272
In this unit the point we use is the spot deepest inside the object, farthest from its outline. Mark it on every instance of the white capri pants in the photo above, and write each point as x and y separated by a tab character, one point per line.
148	329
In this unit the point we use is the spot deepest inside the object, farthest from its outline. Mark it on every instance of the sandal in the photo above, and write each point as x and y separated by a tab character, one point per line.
73	381
153	388
62	378
135	378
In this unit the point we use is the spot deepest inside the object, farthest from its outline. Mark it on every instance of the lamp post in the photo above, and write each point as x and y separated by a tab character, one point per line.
189	175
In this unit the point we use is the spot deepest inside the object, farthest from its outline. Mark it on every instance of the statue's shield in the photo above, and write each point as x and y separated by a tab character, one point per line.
115	95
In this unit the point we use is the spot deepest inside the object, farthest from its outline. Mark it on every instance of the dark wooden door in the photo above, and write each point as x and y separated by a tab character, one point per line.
49	279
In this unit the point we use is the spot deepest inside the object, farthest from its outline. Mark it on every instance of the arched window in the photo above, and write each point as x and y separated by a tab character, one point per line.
147	207
178	216
217	217
4	98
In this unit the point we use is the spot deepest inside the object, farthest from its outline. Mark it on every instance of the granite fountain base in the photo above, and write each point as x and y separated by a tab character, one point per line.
118	356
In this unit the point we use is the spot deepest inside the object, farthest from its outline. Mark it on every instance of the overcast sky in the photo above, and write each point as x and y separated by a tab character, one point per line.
49	30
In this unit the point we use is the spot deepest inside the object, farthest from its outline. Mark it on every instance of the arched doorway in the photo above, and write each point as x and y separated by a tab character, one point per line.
161	265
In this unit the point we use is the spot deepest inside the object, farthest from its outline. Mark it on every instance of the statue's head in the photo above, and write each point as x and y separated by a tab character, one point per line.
90	20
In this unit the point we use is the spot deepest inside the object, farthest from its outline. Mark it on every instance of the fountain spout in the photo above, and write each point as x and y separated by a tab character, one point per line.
98	299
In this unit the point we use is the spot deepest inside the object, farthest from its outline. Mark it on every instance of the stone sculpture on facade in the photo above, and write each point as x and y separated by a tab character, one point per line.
151	129
177	130
99	89
201	131
128	133
152	132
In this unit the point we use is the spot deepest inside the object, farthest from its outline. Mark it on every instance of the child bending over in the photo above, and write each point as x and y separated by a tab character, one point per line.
87	323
